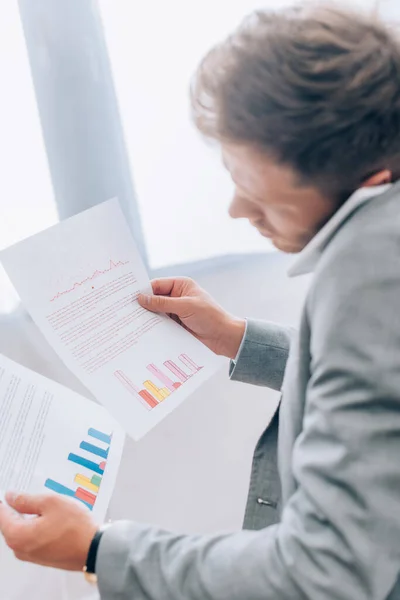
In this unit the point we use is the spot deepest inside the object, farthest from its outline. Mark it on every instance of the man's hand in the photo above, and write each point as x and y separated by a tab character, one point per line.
194	309
59	536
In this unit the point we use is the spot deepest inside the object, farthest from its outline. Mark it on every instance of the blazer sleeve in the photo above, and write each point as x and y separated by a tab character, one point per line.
263	354
339	533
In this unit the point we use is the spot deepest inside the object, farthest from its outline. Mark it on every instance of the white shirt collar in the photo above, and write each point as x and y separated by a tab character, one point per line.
308	258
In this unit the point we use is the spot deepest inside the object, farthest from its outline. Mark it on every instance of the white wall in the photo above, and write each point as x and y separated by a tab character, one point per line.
191	472
389	9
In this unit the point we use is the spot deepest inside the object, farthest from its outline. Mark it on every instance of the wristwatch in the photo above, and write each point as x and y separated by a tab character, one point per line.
89	570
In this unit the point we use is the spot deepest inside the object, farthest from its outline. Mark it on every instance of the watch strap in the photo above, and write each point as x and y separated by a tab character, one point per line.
90	567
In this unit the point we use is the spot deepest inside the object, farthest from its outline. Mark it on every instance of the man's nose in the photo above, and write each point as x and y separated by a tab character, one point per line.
240	208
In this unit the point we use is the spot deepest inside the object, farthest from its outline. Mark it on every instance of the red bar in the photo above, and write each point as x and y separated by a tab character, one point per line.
102	465
152	402
85	496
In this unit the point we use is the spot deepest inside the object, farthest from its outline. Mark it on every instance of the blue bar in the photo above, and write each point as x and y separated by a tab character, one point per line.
103	437
60	489
94	449
85	463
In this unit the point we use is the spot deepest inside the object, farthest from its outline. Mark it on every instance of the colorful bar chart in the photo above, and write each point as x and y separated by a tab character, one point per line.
88	483
153	394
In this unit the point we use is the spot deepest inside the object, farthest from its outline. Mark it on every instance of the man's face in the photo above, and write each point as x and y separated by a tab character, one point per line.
270	197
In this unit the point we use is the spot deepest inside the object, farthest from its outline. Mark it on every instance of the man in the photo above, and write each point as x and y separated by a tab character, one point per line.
306	106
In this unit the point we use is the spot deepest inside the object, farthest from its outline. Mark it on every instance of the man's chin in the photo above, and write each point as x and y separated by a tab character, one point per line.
281	244
286	247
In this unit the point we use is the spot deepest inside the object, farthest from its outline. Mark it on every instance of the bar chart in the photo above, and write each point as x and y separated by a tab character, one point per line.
153	393
89	482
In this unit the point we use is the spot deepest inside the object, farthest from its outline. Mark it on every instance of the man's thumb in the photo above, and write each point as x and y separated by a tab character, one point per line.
25	503
161	304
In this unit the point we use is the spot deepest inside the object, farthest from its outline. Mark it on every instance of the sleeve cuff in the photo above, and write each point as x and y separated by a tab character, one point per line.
262	355
234	361
112	564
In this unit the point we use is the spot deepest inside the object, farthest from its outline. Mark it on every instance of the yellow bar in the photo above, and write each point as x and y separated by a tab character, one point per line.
153	389
165	392
85	482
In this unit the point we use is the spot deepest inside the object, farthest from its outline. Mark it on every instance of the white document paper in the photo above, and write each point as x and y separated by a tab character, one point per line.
80	280
55	441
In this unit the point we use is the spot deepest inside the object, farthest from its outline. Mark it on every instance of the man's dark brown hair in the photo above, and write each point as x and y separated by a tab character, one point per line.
316	88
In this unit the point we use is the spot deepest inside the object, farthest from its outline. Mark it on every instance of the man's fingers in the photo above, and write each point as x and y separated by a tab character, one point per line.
169	296
163	286
9	524
163	304
26	504
173	286
7	517
19	534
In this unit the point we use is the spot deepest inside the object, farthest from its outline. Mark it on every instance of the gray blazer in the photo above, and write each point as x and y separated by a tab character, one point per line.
331	529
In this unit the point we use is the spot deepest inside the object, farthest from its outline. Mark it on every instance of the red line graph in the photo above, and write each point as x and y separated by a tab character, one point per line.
97	273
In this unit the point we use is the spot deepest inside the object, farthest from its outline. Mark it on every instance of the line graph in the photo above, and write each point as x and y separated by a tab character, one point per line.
97	273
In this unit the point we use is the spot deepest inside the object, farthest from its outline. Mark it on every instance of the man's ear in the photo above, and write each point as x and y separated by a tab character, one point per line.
380	178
